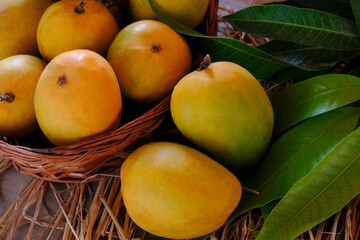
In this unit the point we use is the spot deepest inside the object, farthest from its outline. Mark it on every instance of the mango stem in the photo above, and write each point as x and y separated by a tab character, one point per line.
80	9
205	63
156	48
7	97
250	190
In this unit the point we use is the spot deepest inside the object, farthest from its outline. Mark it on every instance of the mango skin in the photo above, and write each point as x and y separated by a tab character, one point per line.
61	29
77	96
225	111
19	22
19	75
147	76
174	191
187	12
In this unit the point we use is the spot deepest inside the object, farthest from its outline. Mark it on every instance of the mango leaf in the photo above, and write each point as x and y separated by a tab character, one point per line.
338	7
300	54
300	25
294	155
355	5
333	183
255	234
312	97
296	74
266	210
262	65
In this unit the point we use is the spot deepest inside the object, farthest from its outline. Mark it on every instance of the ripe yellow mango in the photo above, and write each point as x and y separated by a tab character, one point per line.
187	12
149	58
77	96
19	20
19	75
224	110
74	24
174	191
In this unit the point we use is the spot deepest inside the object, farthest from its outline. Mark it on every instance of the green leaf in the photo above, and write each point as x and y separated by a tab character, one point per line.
333	183
255	234
300	25
294	155
338	7
312	97
296	74
355	5
300	54
266	210
262	65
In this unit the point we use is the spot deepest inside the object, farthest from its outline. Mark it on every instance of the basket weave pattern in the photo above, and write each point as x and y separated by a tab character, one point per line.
100	154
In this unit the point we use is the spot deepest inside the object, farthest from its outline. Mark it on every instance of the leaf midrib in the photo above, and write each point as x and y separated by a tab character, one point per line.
341	173
302	149
328	91
290	51
275	61
298	50
297	25
215	39
269	59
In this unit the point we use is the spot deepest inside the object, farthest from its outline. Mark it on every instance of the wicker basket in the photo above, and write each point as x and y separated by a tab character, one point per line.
104	153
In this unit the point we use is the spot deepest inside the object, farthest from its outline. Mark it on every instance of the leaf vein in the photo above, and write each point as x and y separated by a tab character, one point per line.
318	195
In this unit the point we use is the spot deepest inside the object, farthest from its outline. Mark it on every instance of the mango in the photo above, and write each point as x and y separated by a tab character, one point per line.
77	96
19	75
177	192
19	20
224	110
187	12
149	58
73	24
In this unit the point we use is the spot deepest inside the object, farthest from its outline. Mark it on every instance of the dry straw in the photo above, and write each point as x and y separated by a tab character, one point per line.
96	211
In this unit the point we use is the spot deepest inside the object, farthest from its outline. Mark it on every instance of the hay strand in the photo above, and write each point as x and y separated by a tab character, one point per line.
37	210
333	232
4	165
64	213
114	219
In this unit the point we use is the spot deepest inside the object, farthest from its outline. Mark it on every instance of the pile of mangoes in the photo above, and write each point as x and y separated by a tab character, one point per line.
66	67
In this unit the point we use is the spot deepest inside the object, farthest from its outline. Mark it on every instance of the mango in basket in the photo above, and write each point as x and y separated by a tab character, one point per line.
224	110
149	58
19	75
73	24
19	21
174	191
187	12
77	96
